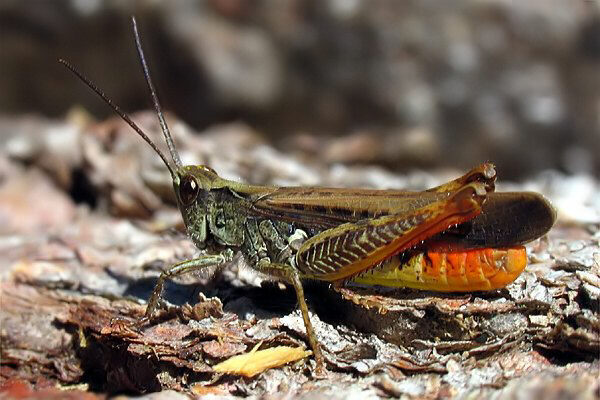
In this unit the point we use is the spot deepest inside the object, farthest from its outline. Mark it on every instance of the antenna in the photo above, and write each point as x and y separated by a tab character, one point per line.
157	107
119	111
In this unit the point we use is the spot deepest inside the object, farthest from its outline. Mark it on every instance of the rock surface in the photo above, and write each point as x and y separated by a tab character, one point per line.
84	238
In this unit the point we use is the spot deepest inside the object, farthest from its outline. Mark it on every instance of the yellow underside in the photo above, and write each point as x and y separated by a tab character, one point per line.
465	271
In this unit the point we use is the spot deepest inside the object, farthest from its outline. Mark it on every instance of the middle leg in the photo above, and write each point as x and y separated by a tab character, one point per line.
289	274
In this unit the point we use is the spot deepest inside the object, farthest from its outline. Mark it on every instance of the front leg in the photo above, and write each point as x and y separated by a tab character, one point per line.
183	268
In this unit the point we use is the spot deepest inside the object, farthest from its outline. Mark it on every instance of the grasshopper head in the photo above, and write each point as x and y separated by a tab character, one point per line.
190	181
192	184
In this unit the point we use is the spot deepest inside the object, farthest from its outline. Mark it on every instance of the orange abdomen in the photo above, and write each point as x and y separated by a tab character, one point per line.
464	271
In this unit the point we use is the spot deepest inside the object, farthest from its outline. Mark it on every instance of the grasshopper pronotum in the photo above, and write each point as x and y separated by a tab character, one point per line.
460	236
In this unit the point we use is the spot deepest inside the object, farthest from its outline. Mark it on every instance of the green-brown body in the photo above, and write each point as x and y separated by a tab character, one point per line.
270	224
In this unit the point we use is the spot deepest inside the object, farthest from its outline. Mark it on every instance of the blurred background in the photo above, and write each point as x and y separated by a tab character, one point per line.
354	93
402	84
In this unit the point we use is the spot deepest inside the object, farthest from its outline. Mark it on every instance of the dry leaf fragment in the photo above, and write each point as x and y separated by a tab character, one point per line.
257	361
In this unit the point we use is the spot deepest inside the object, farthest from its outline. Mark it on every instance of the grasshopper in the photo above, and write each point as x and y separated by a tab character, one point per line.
460	236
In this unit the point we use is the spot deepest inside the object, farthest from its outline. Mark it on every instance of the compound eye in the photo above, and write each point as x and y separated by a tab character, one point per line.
188	190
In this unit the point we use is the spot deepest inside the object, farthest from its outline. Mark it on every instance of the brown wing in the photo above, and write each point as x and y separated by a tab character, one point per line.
507	219
330	207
